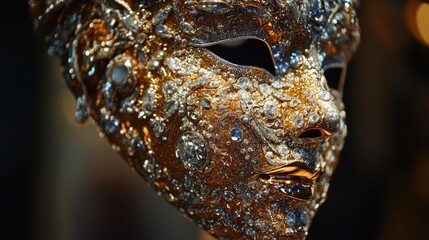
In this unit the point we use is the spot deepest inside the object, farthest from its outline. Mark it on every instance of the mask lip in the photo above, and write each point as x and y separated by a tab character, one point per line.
295	180
296	168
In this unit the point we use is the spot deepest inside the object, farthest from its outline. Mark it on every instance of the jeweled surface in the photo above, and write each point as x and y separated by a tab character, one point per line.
244	152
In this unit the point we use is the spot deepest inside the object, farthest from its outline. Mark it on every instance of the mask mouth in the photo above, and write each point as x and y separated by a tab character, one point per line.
296	180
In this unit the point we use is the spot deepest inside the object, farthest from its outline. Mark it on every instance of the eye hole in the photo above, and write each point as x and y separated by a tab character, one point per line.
248	52
335	76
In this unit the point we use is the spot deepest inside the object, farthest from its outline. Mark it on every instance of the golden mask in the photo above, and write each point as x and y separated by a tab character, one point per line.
244	151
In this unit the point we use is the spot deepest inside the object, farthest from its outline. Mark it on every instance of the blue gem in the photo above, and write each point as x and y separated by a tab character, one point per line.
112	126
236	135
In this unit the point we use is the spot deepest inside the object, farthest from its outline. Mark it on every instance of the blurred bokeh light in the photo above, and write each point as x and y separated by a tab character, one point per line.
417	18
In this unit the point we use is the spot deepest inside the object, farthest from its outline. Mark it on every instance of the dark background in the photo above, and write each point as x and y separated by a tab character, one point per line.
60	181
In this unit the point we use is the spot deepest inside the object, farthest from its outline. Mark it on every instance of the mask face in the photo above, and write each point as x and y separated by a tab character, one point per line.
244	152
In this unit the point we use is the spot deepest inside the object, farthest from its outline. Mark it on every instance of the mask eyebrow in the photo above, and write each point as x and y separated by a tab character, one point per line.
213	7
220	6
217	23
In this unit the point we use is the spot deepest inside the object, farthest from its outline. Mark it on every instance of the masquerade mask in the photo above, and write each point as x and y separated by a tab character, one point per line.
243	151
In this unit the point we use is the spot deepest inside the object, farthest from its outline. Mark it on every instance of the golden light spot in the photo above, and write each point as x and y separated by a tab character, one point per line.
417	18
422	21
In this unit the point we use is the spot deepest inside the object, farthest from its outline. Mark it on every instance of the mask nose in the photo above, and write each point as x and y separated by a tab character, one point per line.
313	113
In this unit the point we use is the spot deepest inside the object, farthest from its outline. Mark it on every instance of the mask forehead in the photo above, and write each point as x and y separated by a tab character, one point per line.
328	27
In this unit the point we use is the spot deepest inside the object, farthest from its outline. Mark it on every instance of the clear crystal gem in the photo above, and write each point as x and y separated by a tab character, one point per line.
161	16
154	64
244	95
325	96
170	108
314	118
191	150
187	27
142	58
270	109
168	88
292	219
199	81
296	153
131	23
206	103
269	155
304	218
295	60
164	31
158	126
299	122
141	38
228	195
243	82
119	74
283	150
294	102
264	89
148	101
